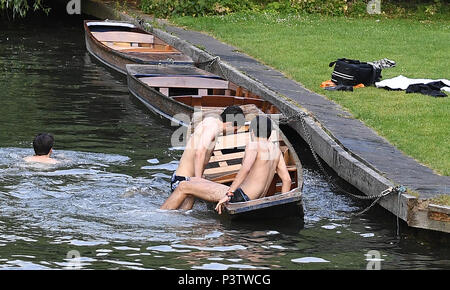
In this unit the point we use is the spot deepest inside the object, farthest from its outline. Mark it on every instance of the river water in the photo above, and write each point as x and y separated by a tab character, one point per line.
98	208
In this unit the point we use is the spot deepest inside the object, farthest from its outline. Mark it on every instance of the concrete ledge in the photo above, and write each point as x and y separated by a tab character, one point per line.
346	164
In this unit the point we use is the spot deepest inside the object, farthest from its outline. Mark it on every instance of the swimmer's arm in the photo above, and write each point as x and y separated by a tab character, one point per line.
283	173
249	159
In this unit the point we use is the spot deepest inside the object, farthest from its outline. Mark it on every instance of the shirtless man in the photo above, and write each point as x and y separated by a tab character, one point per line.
43	148
201	144
262	159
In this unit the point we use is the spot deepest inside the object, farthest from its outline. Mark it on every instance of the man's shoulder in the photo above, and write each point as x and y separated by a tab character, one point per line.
40	160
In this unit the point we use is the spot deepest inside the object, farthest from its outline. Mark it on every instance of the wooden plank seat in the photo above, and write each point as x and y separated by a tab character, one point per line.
131	47
123	36
165	83
145	49
189	82
226	157
225	101
220	101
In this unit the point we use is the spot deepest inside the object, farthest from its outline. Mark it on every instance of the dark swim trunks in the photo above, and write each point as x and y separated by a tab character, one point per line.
239	196
175	181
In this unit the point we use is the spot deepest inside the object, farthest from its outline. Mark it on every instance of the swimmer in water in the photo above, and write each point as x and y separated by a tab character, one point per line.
43	148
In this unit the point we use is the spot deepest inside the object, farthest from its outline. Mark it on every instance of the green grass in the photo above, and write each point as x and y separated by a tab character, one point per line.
303	46
441	200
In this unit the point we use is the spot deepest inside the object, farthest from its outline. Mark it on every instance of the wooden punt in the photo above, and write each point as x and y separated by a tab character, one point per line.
116	44
175	90
226	161
171	90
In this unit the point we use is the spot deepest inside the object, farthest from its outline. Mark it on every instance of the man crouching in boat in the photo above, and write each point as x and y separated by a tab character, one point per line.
262	159
201	144
43	149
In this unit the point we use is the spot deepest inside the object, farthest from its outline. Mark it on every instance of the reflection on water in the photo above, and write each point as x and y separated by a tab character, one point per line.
102	200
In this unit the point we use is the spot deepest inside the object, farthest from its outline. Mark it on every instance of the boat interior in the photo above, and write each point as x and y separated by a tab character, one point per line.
129	39
207	91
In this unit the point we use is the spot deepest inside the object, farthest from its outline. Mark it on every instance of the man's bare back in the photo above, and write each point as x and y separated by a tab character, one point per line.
263	169
41	159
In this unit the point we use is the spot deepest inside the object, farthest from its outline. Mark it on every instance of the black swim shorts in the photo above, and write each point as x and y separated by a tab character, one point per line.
175	181
239	196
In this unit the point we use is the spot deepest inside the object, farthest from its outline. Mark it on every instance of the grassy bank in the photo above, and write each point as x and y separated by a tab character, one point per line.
302	47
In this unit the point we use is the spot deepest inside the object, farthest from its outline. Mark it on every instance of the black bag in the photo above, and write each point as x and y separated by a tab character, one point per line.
351	72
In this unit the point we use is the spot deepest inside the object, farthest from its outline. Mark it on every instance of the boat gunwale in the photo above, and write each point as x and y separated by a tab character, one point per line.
158	94
294	195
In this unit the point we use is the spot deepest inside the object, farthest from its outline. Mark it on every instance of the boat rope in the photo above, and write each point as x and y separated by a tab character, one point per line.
397	189
210	62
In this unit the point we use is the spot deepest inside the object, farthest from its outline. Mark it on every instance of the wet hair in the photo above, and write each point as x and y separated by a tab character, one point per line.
233	114
42	144
261	126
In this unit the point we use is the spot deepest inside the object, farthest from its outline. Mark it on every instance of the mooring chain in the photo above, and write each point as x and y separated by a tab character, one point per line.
301	117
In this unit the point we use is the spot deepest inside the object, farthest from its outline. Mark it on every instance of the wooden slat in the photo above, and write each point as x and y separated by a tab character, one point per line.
184	99
217	101
123	36
185	82
149	50
221	163
222	170
239	92
130	47
232	141
227	178
169	69
244	128
231	156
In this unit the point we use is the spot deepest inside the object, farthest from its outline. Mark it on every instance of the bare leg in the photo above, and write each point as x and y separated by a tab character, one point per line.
188	203
201	188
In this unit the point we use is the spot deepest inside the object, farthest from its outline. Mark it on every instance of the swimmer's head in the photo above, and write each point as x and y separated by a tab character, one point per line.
43	143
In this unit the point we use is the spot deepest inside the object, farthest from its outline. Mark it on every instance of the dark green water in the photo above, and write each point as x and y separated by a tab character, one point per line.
102	200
